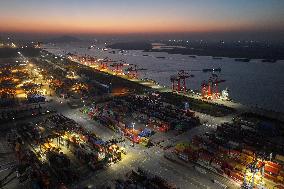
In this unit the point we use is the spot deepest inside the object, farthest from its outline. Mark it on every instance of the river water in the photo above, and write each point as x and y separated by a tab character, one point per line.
251	83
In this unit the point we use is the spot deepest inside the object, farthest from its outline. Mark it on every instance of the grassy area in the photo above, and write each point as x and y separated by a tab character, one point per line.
197	105
116	83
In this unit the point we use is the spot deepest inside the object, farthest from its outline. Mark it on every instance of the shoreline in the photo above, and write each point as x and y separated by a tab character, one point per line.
252	104
266	55
238	107
220	56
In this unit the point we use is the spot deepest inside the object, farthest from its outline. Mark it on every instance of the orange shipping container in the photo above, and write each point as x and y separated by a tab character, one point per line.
280	178
281	173
247	151
279	158
237	176
270	169
272	164
270	177
279	187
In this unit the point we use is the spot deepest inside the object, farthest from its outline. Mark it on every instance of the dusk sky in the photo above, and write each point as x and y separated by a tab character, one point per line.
143	16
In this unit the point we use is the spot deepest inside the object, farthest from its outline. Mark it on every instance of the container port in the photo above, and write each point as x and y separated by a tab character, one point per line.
75	121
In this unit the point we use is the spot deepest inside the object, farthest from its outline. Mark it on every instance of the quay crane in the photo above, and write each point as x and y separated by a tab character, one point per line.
92	61
82	59
182	75
180	78
215	90
209	89
132	72
104	63
118	67
205	88
86	59
173	79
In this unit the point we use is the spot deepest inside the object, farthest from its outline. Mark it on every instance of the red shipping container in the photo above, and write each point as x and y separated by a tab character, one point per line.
270	169
272	164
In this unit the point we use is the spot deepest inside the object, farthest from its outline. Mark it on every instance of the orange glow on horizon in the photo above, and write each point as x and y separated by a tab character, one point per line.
132	16
109	26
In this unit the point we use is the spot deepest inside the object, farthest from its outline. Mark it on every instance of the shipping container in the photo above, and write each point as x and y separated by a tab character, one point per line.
270	169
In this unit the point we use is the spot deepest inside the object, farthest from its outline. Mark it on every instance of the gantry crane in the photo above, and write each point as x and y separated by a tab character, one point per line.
104	63
175	78
183	75
215	82
180	78
206	88
209	89
91	60
132	72
118	67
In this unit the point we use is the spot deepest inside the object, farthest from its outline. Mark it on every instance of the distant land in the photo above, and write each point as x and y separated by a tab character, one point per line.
62	39
131	46
241	50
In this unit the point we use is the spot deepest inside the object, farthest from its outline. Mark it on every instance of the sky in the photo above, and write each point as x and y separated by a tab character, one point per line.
141	16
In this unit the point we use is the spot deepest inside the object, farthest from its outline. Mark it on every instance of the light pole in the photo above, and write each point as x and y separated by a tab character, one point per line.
133	125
